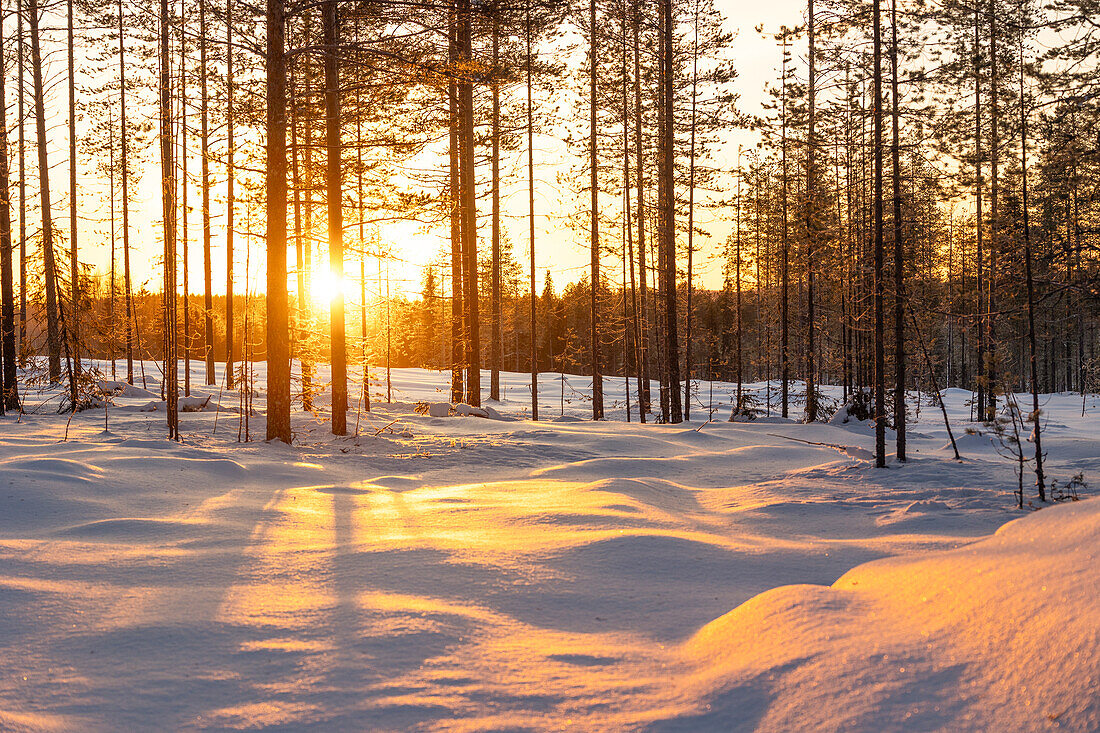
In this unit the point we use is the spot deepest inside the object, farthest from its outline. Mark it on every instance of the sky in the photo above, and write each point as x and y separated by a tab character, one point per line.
560	251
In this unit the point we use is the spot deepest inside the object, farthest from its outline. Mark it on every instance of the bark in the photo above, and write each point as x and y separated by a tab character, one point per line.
691	218
278	316
230	174
594	219
990	355
74	264
1033	369
784	262
168	201
22	191
899	248
667	212
458	336
467	161
125	183
644	397
334	185
880	356
207	257
531	210
495	334
811	220
53	336
9	389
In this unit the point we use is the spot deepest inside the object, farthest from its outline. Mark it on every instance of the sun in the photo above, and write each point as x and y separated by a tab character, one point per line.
324	285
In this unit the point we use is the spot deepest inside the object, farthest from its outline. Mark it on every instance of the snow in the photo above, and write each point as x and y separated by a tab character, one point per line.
447	571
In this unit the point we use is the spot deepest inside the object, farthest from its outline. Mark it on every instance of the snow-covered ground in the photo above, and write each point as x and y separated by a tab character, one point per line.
462	573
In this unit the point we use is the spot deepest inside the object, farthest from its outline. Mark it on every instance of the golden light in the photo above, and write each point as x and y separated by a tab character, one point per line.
323	285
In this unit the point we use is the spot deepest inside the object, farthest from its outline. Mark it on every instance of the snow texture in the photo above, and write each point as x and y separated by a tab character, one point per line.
440	572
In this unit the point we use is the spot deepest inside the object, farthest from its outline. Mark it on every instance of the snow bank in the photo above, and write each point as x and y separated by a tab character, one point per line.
1003	634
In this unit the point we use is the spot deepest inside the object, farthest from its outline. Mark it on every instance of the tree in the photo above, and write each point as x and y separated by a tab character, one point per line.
168	200
9	389
278	316
53	335
334	180
880	355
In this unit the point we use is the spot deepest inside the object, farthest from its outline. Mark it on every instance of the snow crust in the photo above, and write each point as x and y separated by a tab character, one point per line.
454	572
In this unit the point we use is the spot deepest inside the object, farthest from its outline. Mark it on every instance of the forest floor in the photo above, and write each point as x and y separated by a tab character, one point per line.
464	573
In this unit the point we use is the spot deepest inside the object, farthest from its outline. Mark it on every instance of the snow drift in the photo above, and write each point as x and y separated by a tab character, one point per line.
1003	634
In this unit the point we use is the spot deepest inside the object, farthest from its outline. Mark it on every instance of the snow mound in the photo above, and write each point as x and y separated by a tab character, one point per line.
123	389
1002	634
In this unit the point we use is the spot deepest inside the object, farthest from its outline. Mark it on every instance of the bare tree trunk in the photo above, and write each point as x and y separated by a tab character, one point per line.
899	248
207	256
531	211
9	389
278	316
990	357
667	211
1040	479
334	183
594	219
112	346
458	336
880	355
74	264
22	191
184	211
635	324
305	262
495	335
53	337
230	174
784	262
811	219
644	398
982	376
737	265
691	218
467	161
168	199
124	161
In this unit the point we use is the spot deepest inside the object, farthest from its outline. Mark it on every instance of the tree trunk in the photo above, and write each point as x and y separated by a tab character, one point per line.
168	200
691	219
9	390
644	398
667	211
880	355
53	337
531	210
184	211
784	262
990	357
1040	482
899	249
334	184
982	380
208	292
467	162
458	337
230	174
74	264
594	218
278	316
23	192
125	183
495	335
811	219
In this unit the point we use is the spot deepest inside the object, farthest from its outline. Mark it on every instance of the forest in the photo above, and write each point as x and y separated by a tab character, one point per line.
918	211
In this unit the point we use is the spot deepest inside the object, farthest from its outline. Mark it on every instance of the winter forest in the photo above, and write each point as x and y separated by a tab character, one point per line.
549	365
